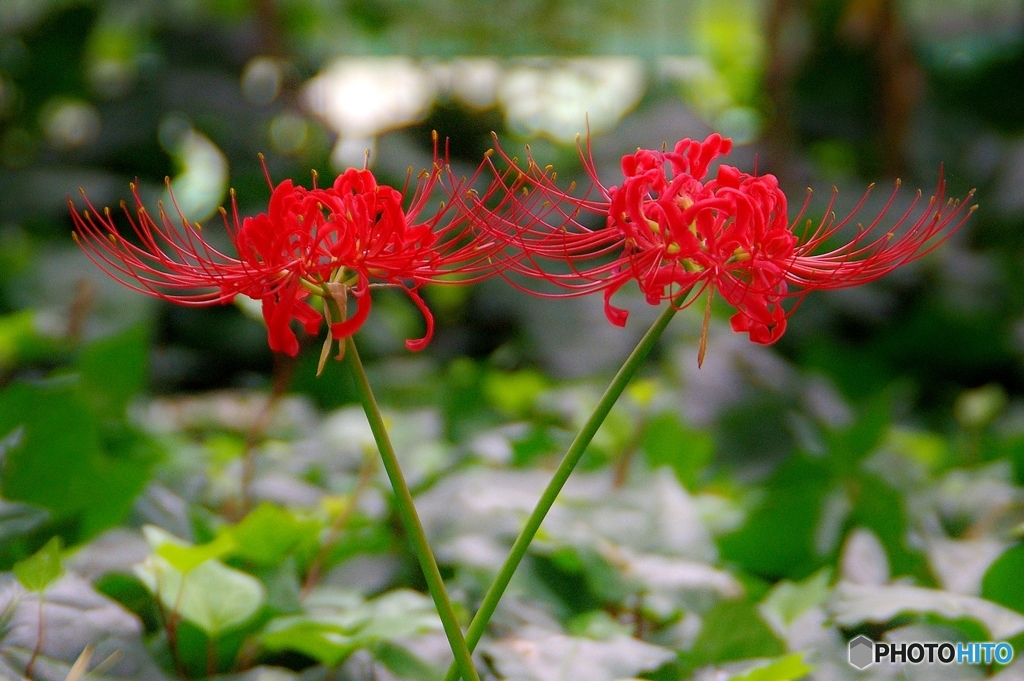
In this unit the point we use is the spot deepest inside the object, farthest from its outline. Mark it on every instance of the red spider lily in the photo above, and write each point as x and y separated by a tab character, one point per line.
326	242
671	229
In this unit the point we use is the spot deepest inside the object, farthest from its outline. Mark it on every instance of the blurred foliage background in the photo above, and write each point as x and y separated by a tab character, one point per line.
889	417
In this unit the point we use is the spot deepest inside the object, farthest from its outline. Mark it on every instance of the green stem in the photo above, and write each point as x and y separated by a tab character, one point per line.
565	468
410	519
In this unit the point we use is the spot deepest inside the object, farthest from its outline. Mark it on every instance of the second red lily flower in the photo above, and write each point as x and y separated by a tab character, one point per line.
671	229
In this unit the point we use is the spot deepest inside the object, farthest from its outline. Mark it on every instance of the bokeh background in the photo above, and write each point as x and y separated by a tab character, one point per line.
891	415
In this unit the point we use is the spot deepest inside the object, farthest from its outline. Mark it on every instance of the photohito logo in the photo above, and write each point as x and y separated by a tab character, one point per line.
864	652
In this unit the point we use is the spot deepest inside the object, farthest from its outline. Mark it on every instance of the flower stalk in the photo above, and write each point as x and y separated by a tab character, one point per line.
572	457
410	518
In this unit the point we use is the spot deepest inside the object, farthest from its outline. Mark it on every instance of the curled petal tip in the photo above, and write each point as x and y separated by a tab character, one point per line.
417	345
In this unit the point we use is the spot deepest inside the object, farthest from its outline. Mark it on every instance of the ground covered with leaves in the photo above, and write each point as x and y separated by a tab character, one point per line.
658	561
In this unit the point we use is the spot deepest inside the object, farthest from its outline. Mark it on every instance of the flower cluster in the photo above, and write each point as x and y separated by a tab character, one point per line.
669	225
327	242
672	229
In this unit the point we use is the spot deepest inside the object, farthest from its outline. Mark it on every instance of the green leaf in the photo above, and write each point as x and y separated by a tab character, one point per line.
101	469
114	369
514	393
777	539
341	623
598	625
211	595
403	663
1002	582
535	444
41	569
186	558
667	442
788	668
882	509
849	445
734	630
20	341
269	533
788	600
59	433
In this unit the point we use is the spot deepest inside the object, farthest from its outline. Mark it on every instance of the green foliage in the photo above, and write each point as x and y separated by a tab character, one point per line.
185	558
733	630
113	370
667	442
21	341
339	623
777	539
75	424
209	594
1002	583
42	568
788	600
513	393
788	668
269	534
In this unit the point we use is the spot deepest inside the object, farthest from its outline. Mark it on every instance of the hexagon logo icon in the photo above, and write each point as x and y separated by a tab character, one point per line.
862	652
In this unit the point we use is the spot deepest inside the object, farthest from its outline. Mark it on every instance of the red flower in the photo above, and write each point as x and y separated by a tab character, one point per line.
326	242
670	228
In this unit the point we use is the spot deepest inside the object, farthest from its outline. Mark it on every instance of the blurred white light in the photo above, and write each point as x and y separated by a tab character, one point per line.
69	123
684	68
262	78
558	98
353	152
360	98
472	80
203	182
